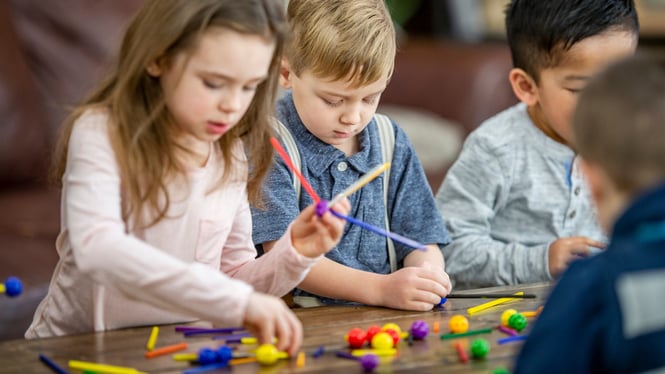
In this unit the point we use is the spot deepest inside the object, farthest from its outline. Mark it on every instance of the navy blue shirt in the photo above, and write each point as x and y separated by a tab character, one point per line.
411	208
607	312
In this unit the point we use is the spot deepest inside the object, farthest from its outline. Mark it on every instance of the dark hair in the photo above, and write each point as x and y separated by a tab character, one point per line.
540	31
619	123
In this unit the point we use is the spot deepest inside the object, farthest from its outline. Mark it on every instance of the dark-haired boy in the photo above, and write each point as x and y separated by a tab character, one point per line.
515	201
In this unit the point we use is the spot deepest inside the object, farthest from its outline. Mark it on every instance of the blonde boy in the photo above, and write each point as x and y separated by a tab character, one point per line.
337	64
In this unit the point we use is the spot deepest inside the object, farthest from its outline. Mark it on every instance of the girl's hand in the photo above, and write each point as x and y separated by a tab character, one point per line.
267	317
312	235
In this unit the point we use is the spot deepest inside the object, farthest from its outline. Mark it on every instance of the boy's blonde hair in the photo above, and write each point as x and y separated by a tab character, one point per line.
352	40
620	123
141	128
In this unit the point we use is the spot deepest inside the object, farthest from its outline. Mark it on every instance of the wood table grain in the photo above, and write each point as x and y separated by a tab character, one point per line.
323	327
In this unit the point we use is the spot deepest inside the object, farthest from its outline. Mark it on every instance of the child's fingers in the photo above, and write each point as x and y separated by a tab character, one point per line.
343	206
266	332
595	243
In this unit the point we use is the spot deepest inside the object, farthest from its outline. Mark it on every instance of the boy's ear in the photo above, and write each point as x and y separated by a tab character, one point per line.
285	74
524	87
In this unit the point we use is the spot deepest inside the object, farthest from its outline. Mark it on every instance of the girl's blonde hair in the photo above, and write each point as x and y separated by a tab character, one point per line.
140	129
341	39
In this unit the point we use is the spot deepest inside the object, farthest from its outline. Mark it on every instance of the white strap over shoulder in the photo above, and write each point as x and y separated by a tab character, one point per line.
291	149
387	136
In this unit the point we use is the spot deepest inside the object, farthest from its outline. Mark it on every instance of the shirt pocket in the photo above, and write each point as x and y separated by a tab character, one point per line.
210	242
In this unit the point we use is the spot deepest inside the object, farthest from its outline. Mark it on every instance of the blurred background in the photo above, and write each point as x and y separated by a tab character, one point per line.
450	75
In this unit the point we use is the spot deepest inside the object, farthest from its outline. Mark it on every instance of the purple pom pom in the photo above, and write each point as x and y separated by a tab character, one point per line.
369	362
419	329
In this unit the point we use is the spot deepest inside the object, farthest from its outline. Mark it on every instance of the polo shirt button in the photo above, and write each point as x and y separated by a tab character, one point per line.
342	166
577	190
572	214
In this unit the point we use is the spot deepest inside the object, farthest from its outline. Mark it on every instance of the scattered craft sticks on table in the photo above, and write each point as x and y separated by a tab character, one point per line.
482	307
491	296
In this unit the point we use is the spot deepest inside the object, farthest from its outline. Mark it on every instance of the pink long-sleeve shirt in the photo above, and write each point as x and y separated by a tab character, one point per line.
198	263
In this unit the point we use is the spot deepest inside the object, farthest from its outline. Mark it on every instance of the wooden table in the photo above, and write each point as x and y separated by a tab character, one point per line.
325	326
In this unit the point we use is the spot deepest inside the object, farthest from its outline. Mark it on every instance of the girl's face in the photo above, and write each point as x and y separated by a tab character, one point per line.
208	88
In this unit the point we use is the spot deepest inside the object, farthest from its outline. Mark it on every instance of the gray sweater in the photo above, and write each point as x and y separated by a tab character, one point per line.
509	195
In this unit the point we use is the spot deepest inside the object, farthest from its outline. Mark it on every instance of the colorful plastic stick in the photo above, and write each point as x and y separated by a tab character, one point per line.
398	238
512	339
318	352
102	368
52	364
468	333
166	350
479	308
377	352
461	353
491	296
359	183
278	147
209	330
300	361
152	339
507	330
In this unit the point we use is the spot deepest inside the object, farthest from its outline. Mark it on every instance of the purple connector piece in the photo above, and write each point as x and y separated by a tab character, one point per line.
321	208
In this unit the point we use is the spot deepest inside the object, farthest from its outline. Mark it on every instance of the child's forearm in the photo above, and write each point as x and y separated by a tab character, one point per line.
433	256
333	280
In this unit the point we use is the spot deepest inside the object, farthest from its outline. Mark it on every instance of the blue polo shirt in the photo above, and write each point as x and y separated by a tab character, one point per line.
411	208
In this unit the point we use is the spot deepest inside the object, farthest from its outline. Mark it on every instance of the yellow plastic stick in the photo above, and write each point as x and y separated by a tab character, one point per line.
2	288
185	357
252	340
240	361
152	339
102	368
378	352
360	182
300	361
479	308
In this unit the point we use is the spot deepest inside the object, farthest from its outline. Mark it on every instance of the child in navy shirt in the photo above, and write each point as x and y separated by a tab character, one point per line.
607	313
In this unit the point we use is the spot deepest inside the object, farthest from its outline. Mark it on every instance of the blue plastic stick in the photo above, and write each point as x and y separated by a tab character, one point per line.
512	339
398	238
52	364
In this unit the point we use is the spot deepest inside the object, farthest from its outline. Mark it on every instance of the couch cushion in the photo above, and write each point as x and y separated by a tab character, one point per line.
23	151
437	140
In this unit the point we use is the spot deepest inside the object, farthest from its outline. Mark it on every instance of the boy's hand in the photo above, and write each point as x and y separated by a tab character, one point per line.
414	288
563	251
268	317
312	235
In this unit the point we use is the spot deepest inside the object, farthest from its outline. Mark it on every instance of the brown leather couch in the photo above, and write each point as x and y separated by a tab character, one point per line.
53	53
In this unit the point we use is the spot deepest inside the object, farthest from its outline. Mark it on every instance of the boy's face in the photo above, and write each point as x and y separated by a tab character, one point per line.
333	111
558	89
